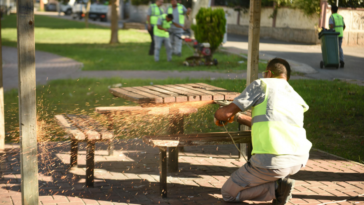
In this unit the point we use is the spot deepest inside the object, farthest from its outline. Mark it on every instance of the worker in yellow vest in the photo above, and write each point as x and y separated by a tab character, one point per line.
161	35
178	11
154	12
280	146
336	21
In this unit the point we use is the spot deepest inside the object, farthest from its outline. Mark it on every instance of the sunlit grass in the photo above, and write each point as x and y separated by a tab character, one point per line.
90	46
333	122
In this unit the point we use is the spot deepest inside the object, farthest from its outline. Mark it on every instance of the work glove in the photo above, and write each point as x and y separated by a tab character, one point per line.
221	123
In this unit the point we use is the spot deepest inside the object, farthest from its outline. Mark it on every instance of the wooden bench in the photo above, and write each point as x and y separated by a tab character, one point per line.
81	128
167	141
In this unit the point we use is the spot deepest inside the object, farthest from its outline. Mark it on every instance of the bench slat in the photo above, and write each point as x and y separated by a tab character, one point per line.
73	131
89	131
105	133
215	96
229	95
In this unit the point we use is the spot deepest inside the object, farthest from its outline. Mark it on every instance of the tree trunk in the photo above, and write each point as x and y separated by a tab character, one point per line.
2	121
114	23
87	12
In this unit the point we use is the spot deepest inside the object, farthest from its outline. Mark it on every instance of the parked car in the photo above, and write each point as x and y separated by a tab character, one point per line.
98	10
67	8
50	7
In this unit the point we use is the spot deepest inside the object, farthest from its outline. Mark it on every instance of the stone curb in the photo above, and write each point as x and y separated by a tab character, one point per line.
295	66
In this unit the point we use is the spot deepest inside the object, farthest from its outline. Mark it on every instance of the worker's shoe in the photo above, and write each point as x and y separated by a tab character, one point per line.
284	191
342	64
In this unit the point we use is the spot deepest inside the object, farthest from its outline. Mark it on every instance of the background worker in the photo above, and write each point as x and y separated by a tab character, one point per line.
178	11
154	12
161	35
336	21
280	146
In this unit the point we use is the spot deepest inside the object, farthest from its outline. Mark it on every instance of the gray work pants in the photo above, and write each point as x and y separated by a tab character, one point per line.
253	183
157	47
341	49
175	38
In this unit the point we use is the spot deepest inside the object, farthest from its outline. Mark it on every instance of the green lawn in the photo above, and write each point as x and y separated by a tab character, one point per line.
333	122
90	46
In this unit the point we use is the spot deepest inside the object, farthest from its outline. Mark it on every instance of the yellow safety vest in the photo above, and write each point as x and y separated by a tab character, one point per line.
180	11
338	23
156	13
165	24
277	127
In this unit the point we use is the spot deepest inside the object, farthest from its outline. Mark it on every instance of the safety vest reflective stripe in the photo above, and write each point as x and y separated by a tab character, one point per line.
279	129
156	12
180	11
339	24
160	33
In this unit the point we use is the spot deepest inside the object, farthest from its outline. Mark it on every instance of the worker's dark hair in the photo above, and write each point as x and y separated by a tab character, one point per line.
334	8
279	66
170	16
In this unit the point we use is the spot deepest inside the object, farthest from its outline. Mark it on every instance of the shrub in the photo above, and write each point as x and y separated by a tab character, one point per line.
210	27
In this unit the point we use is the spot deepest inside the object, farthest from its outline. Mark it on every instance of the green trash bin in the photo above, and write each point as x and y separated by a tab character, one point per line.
329	48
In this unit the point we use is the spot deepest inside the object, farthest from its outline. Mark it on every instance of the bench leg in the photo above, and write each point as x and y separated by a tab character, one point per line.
74	151
163	171
90	163
111	147
172	159
175	127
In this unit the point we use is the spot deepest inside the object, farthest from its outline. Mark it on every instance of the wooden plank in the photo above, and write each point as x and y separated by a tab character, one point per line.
2	119
163	172
229	95
215	96
199	139
166	98
154	98
190	97
203	96
130	95
179	98
27	103
70	129
81	124
106	110
105	134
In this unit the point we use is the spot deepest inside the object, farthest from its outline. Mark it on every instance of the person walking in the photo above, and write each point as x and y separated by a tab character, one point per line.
280	146
336	21
154	12
161	35
178	11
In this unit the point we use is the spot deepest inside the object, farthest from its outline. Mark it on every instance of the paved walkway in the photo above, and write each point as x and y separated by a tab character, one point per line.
50	67
131	176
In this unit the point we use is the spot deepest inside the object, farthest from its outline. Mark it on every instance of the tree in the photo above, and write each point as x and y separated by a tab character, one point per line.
114	23
210	27
88	5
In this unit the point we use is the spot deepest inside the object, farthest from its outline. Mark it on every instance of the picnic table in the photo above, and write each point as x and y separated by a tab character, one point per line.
176	100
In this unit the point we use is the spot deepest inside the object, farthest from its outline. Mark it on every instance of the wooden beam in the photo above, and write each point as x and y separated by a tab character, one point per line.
176	126
27	103
253	55
2	119
214	138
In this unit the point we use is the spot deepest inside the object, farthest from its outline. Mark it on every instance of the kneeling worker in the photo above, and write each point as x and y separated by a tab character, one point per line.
161	35
280	146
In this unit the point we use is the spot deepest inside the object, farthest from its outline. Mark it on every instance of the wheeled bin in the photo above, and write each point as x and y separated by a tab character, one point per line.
329	48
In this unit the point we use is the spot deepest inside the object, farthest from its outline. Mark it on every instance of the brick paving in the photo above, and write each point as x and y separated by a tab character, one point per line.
131	176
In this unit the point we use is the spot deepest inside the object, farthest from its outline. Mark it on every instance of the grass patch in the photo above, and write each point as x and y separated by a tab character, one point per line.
90	46
333	122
